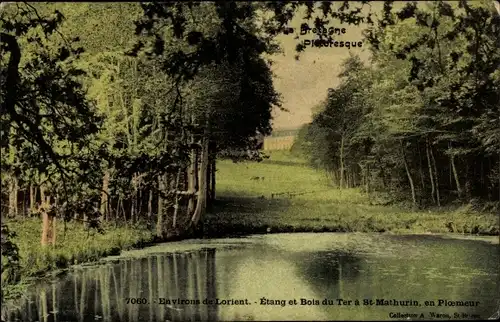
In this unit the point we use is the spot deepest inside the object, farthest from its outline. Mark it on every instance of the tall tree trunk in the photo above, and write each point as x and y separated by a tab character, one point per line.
132	208
13	178
197	156
105	196
213	182
450	172
438	199
159	218
118	209
455	175
150	206
26	203
13	209
133	199
383	174
430	171
45	227
53	226
421	169
209	178
177	198
124	212
410	179
85	220
48	222
139	204
342	162
192	173
202	192
32	197
335	178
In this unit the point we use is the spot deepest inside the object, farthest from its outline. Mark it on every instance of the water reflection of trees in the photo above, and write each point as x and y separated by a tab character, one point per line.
408	268
100	293
326	271
443	268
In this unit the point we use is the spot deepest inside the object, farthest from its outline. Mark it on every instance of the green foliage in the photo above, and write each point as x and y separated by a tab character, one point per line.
10	257
422	119
107	107
44	102
47	124
99	130
79	246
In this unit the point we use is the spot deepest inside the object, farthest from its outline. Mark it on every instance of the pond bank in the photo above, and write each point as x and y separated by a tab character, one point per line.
78	246
305	265
74	245
303	216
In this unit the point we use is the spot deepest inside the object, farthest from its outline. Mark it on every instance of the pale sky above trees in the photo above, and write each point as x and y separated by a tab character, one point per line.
304	83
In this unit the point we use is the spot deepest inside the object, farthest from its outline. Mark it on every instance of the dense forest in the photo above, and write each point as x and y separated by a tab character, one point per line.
422	119
117	112
92	131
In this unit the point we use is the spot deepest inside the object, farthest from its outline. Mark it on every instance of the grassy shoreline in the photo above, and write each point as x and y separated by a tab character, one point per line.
292	197
247	206
74	246
303	216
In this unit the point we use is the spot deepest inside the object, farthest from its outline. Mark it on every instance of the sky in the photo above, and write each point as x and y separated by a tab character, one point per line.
303	84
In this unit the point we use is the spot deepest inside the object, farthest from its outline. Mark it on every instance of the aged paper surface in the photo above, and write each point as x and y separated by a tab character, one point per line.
179	168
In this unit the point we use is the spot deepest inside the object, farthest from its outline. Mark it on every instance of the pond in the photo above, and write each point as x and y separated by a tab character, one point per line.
307	276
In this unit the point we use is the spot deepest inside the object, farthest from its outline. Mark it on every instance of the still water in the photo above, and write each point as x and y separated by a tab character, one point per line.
278	277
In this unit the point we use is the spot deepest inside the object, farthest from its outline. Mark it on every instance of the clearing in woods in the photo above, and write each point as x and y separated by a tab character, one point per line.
290	196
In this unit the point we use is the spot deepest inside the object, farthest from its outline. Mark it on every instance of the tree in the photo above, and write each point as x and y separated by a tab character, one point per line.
433	78
43	103
224	88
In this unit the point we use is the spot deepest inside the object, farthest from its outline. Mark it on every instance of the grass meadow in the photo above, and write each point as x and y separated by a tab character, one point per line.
248	205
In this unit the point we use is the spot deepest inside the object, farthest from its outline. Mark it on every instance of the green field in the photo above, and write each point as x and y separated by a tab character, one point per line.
246	205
